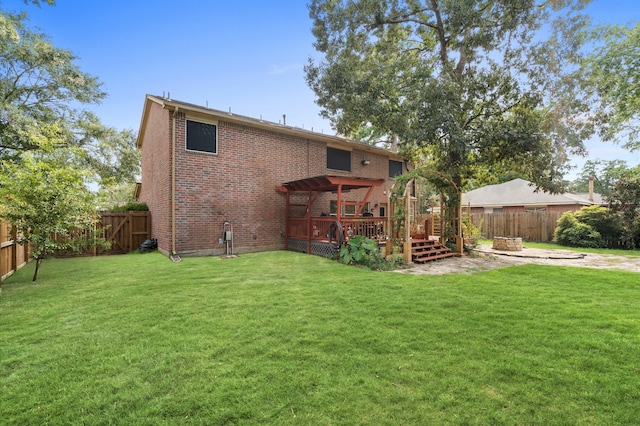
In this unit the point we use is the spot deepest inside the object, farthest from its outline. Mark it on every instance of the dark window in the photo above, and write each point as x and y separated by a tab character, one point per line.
395	168
202	137
338	159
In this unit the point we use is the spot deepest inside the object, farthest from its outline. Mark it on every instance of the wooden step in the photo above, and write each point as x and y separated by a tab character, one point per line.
428	250
426	259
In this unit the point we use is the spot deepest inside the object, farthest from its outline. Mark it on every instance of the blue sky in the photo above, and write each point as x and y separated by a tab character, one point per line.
247	56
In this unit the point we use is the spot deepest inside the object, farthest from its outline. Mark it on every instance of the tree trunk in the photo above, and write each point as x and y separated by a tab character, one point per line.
35	274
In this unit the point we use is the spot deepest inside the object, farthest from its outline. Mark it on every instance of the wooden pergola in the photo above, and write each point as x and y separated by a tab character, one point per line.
314	234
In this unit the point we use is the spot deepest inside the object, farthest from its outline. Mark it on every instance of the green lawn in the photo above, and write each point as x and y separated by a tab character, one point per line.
554	246
285	338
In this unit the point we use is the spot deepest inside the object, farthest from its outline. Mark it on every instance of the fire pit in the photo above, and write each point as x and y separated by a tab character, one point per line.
507	243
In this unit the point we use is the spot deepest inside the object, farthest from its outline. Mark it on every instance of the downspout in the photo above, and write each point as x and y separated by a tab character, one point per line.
174	255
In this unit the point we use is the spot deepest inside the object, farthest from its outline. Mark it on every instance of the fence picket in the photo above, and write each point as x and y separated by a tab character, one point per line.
530	226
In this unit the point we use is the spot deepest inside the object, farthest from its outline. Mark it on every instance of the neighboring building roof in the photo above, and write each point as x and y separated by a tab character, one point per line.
519	192
337	141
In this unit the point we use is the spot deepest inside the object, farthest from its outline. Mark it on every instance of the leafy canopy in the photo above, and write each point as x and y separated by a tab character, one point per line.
624	200
46	201
614	78
465	83
40	90
43	101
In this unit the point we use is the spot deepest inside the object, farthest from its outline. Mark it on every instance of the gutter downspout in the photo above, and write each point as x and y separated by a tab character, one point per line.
174	255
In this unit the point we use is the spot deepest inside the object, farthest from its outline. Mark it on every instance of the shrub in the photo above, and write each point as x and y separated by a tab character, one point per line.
131	207
570	232
600	219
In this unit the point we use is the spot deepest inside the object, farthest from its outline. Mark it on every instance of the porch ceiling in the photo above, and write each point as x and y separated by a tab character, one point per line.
328	184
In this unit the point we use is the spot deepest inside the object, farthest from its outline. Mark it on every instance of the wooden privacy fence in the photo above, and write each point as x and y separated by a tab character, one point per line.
530	226
12	255
125	230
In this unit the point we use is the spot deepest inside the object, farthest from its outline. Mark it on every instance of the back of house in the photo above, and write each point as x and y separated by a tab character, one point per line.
209	176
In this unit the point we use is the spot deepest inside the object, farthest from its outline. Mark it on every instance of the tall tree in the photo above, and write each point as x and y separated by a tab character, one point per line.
42	90
614	71
467	82
605	174
43	105
624	200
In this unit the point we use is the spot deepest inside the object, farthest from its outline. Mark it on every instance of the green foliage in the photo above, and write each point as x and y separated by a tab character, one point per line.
570	232
624	201
130	207
614	75
601	220
469	230
47	204
43	93
39	88
591	226
605	173
469	96
364	251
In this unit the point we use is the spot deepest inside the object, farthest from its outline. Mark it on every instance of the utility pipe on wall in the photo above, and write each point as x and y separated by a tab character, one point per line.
173	183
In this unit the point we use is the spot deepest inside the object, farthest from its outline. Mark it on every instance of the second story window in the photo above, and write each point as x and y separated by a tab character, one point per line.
395	168
338	159
202	137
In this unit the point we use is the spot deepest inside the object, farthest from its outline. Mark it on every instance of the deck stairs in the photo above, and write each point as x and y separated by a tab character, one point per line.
423	251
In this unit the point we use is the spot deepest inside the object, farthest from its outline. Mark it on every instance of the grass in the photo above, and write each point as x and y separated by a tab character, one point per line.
285	338
554	246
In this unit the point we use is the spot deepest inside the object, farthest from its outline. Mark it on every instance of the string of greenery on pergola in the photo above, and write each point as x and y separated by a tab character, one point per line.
399	205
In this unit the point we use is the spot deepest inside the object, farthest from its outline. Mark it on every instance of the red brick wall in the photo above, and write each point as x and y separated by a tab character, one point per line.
238	184
564	208
156	174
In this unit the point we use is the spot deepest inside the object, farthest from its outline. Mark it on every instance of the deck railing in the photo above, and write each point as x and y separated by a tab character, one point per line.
318	229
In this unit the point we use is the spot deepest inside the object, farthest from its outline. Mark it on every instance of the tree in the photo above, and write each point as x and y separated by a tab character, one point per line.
624	201
46	201
614	71
40	90
43	95
464	84
605	174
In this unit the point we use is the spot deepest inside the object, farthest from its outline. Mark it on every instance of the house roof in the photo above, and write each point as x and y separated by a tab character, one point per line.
336	141
519	192
328	183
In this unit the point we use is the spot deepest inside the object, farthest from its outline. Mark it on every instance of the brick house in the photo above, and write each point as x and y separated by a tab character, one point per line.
205	171
519	196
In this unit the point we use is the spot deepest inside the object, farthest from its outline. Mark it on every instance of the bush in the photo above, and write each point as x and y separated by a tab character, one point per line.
570	232
131	207
600	219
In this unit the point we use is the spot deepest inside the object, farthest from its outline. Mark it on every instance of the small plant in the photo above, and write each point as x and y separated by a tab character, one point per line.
469	230
393	261
364	251
361	250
